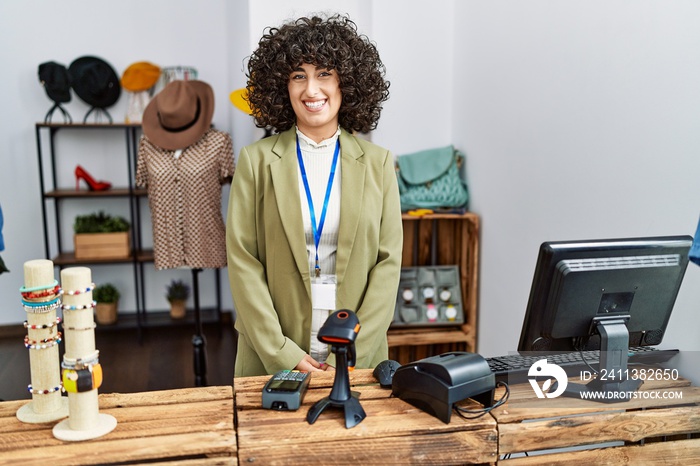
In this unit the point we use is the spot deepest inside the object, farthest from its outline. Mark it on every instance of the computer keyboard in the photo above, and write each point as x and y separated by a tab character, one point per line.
513	368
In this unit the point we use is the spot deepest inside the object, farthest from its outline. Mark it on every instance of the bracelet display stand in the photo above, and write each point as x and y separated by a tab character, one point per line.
84	421
42	342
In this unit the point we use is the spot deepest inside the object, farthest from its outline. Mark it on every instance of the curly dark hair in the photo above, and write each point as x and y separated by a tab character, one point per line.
332	43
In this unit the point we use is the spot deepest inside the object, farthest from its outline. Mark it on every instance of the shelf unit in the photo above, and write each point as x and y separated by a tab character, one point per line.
52	195
440	239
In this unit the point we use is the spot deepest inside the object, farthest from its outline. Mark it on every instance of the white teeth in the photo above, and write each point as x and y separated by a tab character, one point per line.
317	104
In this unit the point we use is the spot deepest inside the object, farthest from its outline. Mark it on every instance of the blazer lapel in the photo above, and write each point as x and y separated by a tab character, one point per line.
352	191
285	183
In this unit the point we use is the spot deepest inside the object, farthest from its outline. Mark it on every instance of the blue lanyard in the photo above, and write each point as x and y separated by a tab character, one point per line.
318	230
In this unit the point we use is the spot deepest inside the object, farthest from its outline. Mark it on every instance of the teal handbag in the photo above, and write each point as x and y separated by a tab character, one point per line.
431	179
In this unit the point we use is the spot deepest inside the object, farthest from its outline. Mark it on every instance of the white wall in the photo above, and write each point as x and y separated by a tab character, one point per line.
168	33
416	41
579	119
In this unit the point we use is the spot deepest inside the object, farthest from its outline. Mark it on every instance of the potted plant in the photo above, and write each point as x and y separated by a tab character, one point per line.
107	298
177	294
101	236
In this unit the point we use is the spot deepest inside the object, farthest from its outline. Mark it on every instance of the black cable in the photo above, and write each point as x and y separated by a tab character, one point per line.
480	412
580	352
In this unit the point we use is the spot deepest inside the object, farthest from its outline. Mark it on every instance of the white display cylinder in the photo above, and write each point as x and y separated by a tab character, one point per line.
42	343
84	421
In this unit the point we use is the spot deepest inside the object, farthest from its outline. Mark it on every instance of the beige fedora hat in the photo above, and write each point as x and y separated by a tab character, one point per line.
179	115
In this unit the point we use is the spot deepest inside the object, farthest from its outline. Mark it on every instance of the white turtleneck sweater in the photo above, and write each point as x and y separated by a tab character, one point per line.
318	159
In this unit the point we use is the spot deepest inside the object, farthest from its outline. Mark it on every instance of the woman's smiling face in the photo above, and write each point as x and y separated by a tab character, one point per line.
315	96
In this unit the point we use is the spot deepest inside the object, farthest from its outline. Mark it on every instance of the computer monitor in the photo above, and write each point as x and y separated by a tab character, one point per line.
579	282
604	294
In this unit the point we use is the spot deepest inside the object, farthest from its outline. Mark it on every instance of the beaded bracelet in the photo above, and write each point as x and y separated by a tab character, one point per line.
68	307
27	341
26	303
34	391
24	289
42	326
90	327
86	290
38	301
56	290
30	344
41	308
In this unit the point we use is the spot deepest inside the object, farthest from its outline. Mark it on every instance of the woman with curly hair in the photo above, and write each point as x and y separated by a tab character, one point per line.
314	221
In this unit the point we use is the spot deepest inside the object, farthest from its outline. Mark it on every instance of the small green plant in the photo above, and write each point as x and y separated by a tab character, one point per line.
100	223
105	293
177	291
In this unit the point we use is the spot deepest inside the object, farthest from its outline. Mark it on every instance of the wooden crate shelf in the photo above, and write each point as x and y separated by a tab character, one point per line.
441	239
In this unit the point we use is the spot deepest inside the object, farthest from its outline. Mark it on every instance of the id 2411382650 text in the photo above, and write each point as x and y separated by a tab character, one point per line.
633	374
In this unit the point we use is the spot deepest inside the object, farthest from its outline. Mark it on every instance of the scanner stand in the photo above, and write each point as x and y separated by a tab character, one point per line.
341	396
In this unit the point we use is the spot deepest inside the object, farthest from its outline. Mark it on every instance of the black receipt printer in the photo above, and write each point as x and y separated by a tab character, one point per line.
436	383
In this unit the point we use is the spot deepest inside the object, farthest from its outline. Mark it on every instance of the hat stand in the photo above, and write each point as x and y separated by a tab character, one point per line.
47	403
198	341
84	421
98	111
56	106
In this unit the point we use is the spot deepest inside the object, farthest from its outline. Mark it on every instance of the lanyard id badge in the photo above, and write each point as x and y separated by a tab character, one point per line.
323	292
317	230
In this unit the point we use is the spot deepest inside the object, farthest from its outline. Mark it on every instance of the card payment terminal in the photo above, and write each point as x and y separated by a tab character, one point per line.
285	390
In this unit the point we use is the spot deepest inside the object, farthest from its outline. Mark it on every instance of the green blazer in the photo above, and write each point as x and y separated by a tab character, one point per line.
268	263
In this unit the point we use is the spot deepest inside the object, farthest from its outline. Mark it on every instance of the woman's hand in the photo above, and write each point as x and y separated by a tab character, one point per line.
308	364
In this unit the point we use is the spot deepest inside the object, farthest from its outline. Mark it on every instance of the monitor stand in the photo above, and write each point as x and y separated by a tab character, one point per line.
613	382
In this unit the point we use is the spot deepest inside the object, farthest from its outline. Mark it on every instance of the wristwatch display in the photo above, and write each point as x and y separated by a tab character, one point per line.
431	313
445	294
429	296
450	312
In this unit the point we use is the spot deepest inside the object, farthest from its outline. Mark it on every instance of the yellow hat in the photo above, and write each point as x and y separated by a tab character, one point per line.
239	98
140	76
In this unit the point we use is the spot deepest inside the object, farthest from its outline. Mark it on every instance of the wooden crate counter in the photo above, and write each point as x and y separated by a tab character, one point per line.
654	430
440	239
194	424
393	432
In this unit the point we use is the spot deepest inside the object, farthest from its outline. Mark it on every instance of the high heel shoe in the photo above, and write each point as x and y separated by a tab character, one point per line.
91	182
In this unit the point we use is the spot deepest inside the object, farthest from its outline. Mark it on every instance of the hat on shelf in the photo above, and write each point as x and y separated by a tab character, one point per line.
56	81
239	99
140	76
95	81
179	115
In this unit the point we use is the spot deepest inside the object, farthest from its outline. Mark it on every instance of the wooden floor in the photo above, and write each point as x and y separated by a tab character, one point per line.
163	359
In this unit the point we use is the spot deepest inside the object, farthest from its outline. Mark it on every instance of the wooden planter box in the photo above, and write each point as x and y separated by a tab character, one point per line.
106	313
102	245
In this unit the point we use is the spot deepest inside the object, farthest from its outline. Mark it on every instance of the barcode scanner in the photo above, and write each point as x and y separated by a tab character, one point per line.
340	331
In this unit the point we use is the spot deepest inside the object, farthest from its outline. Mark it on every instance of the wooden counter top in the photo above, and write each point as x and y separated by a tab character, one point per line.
658	427
393	432
221	426
163	426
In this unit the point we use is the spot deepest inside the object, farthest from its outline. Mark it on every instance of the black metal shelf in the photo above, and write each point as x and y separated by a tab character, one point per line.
113	192
52	195
68	259
161	318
